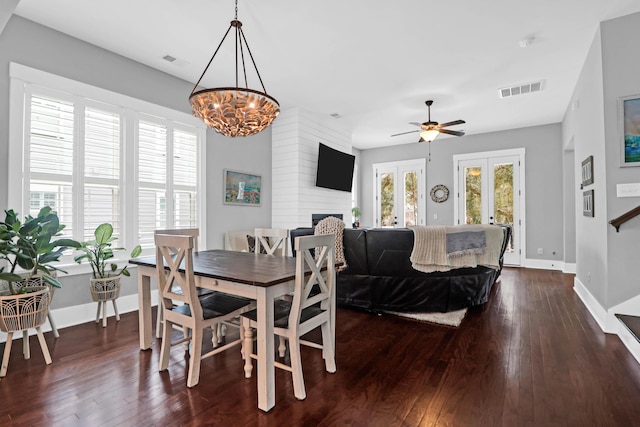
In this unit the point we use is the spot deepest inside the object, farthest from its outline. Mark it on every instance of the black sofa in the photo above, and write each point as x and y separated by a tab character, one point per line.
379	275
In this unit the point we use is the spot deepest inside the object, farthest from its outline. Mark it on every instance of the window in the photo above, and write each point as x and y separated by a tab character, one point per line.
102	157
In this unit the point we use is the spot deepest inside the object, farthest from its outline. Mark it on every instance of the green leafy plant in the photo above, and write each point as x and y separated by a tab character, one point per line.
99	251
30	246
356	212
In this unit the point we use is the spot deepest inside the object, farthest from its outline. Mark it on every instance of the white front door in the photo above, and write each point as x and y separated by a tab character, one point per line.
489	191
399	198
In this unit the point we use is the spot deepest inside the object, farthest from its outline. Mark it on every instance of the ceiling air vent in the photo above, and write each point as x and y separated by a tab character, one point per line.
507	92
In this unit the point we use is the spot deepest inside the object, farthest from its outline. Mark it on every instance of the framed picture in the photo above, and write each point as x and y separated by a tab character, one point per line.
587	203
241	188
629	128
587	171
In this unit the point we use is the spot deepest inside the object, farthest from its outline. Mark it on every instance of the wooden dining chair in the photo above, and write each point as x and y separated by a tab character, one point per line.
195	233
312	307
195	314
273	240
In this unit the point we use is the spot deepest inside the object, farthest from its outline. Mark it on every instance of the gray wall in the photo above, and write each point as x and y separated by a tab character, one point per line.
621	73
607	261
584	125
544	192
36	46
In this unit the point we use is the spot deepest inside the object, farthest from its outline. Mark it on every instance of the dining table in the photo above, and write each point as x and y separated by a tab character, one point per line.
260	277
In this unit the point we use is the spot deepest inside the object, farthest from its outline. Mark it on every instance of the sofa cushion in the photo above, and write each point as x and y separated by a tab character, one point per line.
388	252
355	251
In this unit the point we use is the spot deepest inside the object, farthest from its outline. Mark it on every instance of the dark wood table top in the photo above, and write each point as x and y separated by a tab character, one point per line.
241	267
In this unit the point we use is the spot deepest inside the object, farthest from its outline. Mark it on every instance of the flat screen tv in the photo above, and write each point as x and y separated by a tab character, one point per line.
335	169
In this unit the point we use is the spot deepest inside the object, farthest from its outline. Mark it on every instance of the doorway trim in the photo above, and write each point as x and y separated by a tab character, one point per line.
422	202
520	152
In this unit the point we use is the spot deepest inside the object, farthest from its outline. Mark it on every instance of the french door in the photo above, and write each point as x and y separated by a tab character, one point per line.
490	191
399	200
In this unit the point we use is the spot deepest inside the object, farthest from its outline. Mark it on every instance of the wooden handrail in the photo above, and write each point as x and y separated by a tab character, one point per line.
617	222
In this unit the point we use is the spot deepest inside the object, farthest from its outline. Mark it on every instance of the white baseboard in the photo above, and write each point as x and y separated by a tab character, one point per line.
569	267
544	264
78	314
597	311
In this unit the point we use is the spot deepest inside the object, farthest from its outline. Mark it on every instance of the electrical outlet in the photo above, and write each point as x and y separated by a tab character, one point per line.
435	216
540	251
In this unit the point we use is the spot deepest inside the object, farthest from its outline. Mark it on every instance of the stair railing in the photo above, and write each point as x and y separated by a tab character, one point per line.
617	222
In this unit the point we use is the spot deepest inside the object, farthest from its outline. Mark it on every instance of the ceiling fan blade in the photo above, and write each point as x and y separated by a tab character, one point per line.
415	124
453	123
404	133
451	132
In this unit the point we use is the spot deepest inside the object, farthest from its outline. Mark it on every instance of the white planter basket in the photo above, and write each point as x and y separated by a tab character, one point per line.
35	281
106	289
19	313
103	290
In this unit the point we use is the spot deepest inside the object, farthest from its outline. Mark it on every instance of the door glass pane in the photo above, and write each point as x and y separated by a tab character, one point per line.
473	195
387	191
503	195
410	207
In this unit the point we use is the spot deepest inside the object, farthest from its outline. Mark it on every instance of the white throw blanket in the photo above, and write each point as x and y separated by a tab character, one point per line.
430	248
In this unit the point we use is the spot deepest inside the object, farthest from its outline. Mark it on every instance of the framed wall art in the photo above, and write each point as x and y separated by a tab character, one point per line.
587	203
587	171
242	188
629	129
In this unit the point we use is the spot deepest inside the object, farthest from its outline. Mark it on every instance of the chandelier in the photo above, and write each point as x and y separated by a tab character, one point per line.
235	111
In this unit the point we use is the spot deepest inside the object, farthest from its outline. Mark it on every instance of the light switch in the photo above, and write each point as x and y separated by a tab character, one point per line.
628	190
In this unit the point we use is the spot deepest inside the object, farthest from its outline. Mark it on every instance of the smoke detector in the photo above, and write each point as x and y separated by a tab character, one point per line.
507	92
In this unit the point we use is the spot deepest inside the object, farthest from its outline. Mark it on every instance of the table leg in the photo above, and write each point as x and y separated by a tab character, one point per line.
144	309
265	341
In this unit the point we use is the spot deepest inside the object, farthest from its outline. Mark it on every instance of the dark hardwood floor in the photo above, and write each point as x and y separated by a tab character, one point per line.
532	356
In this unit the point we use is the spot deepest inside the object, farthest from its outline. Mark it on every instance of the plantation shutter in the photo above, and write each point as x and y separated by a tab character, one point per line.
185	155
101	171
152	175
51	156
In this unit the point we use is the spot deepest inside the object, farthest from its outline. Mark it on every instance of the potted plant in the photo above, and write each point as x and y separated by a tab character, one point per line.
356	216
105	281
28	247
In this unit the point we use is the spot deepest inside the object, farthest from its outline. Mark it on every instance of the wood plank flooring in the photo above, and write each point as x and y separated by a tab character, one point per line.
531	356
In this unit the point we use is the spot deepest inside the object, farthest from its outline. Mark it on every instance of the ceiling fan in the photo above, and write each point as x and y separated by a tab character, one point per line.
430	130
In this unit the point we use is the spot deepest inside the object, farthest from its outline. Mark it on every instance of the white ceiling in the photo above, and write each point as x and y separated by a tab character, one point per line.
373	62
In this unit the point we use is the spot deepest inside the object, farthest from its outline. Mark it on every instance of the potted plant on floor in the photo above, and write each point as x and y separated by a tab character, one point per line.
105	281
28	248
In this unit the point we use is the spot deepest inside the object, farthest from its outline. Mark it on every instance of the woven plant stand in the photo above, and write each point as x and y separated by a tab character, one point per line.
36	280
103	290
19	313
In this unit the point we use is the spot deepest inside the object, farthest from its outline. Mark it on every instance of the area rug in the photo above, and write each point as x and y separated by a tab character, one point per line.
452	318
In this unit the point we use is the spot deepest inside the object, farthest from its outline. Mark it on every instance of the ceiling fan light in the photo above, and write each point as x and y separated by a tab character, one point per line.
429	135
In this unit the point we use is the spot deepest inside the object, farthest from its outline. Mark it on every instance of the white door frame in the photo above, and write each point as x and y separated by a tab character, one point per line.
519	152
420	164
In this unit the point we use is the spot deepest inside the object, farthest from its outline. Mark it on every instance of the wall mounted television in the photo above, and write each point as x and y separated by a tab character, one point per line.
335	169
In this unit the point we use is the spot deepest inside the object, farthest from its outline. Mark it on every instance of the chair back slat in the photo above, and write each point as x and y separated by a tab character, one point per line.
193	232
309	275
272	240
176	253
